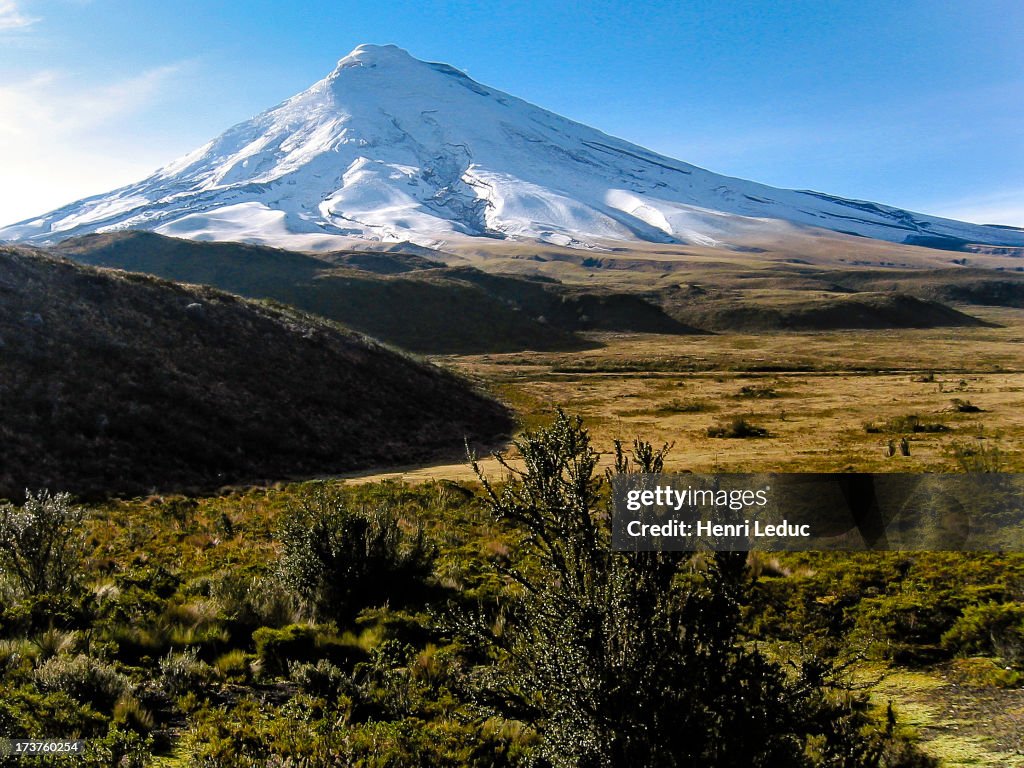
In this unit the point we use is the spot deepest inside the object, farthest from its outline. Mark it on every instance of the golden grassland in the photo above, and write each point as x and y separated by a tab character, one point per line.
767	250
831	401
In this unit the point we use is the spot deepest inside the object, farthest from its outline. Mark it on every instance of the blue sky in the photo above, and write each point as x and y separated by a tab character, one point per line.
916	104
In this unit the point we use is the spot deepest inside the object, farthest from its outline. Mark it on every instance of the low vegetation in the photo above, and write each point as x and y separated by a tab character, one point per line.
758	391
736	427
482	623
451	624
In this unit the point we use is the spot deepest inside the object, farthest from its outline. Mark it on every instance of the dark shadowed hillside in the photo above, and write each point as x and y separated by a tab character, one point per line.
405	299
731	311
113	382
957	286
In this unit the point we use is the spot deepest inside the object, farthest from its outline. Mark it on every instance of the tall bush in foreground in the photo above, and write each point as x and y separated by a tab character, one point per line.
42	543
637	658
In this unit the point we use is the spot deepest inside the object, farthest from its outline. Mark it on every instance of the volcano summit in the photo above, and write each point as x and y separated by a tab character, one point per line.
389	148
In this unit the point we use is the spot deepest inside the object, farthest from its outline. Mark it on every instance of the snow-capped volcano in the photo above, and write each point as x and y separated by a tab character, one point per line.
390	148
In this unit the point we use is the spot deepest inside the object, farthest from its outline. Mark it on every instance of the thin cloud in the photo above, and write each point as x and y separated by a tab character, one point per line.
64	141
48	104
12	17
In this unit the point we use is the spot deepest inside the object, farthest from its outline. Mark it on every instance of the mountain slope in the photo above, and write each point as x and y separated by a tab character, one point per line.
405	300
726	310
119	383
389	148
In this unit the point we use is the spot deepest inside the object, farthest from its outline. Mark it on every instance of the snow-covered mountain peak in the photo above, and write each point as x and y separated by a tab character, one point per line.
369	55
390	148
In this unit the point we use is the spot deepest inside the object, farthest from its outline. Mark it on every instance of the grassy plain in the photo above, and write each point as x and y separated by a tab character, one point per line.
831	401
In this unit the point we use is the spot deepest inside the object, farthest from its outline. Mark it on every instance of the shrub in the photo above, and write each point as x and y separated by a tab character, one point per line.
964	406
684	406
322	679
119	747
233	665
907	625
35	614
339	559
42	543
86	679
54	642
129	712
978	457
985	672
757	391
277	648
738	426
16	655
989	629
303	732
183	672
908	423
254	600
181	511
637	658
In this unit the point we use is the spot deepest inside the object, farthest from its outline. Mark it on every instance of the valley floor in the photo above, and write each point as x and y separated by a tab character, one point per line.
831	401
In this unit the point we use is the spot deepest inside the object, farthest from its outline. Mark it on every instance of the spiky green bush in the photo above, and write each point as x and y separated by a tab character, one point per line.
184	672
41	543
618	658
